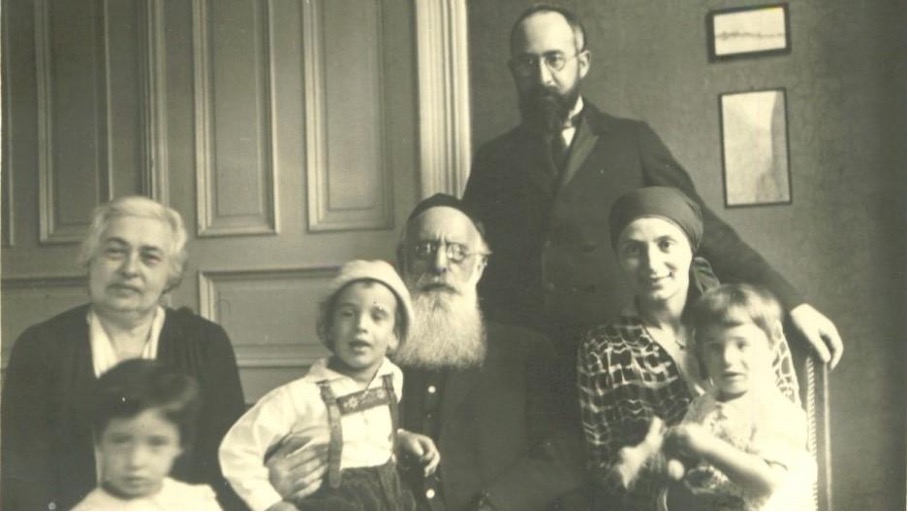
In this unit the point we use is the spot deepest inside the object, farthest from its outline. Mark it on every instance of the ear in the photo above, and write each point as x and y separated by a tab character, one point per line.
584	60
481	267
777	332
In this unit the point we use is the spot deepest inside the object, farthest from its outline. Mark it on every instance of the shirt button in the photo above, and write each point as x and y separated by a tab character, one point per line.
430	493
550	286
431	390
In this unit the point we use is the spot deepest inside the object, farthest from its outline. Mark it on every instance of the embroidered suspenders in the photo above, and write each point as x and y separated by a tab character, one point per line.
349	404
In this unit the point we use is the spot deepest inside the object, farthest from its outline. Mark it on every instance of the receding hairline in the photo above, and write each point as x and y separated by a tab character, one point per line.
572	21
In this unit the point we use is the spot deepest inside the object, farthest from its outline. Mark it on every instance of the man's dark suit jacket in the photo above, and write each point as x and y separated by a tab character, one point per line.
496	427
552	261
47	449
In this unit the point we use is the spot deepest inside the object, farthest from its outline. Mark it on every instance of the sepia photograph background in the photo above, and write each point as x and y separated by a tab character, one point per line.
294	135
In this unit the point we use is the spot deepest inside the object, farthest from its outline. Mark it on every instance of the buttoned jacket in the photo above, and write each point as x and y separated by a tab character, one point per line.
552	258
498	428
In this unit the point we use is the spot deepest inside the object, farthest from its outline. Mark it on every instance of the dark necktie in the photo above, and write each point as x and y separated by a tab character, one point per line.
559	149
559	153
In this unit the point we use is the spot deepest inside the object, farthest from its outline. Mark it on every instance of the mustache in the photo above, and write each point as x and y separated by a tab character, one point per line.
430	284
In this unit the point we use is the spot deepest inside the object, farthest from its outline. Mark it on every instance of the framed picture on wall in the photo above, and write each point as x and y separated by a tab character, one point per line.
754	133
748	32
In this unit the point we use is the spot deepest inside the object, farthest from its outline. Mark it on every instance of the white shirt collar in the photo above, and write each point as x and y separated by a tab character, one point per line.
319	371
103	355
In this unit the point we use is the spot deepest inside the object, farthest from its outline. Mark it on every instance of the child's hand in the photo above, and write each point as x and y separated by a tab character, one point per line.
421	448
632	459
674	469
687	439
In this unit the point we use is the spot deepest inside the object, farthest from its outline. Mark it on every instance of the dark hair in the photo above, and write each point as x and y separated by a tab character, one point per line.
326	313
572	20
137	385
727	305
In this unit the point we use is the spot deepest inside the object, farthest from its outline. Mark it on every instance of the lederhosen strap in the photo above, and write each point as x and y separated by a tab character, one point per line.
349	404
336	443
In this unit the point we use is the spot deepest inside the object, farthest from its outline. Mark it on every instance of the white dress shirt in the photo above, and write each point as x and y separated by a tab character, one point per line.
297	409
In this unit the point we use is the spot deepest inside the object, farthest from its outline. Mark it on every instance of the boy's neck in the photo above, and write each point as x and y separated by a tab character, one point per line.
361	375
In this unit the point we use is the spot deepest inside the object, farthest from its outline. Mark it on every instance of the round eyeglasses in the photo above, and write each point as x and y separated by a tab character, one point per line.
526	65
455	252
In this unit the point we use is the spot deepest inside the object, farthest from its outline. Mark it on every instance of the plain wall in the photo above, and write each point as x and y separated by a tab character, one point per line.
842	238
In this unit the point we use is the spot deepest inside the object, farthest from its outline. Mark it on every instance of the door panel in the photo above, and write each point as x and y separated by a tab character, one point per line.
282	130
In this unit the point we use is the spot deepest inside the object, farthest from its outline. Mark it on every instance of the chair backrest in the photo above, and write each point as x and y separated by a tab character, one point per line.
813	375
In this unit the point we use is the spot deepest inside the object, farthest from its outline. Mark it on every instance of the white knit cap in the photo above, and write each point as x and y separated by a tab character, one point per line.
363	270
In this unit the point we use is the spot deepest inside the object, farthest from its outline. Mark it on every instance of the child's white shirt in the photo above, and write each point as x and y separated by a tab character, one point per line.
174	495
297	409
771	426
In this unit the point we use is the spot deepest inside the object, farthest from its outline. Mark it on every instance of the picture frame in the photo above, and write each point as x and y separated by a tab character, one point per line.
744	32
755	157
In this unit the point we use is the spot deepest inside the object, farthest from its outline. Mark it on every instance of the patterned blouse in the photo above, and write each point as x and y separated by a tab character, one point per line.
625	378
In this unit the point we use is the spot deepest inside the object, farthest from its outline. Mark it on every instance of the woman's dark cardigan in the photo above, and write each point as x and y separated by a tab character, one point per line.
47	449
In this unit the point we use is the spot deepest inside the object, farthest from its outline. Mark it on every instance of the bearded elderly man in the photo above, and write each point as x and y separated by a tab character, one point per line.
482	391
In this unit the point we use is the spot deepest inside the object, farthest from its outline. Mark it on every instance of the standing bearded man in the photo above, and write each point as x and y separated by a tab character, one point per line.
545	188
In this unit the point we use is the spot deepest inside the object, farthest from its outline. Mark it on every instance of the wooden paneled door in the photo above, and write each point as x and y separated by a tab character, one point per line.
284	131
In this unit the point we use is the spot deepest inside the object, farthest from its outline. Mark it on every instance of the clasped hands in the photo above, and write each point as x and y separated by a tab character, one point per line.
664	454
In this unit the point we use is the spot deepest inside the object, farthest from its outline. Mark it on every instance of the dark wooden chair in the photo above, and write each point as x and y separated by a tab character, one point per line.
813	376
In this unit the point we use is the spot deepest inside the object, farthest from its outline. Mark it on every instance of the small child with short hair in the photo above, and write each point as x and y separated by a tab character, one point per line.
144	416
743	443
347	401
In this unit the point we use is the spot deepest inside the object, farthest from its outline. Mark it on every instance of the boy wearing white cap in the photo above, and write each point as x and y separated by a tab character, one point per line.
347	401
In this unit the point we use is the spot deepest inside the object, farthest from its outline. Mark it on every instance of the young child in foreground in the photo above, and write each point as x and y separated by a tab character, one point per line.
742	444
144	416
347	401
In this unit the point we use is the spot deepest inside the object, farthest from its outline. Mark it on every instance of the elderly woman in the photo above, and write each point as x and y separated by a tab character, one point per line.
639	374
134	253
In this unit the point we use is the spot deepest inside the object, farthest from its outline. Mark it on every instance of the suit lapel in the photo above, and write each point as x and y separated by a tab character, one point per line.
591	149
585	141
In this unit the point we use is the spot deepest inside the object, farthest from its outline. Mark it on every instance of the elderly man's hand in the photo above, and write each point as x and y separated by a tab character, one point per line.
820	332
421	448
294	473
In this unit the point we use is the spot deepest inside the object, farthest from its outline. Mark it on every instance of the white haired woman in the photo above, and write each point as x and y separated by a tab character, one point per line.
134	253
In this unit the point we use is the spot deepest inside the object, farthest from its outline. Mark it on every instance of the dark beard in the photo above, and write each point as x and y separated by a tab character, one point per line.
545	111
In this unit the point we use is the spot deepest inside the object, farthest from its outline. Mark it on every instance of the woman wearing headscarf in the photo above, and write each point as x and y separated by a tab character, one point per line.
638	374
134	253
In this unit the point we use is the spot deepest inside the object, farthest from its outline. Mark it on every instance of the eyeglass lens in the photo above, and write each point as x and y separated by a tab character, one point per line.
453	251
555	61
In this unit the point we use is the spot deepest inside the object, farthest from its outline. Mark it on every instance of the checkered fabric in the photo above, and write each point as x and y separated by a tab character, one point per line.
625	379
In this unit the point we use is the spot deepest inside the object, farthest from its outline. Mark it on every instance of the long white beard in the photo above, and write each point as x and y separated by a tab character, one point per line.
447	331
